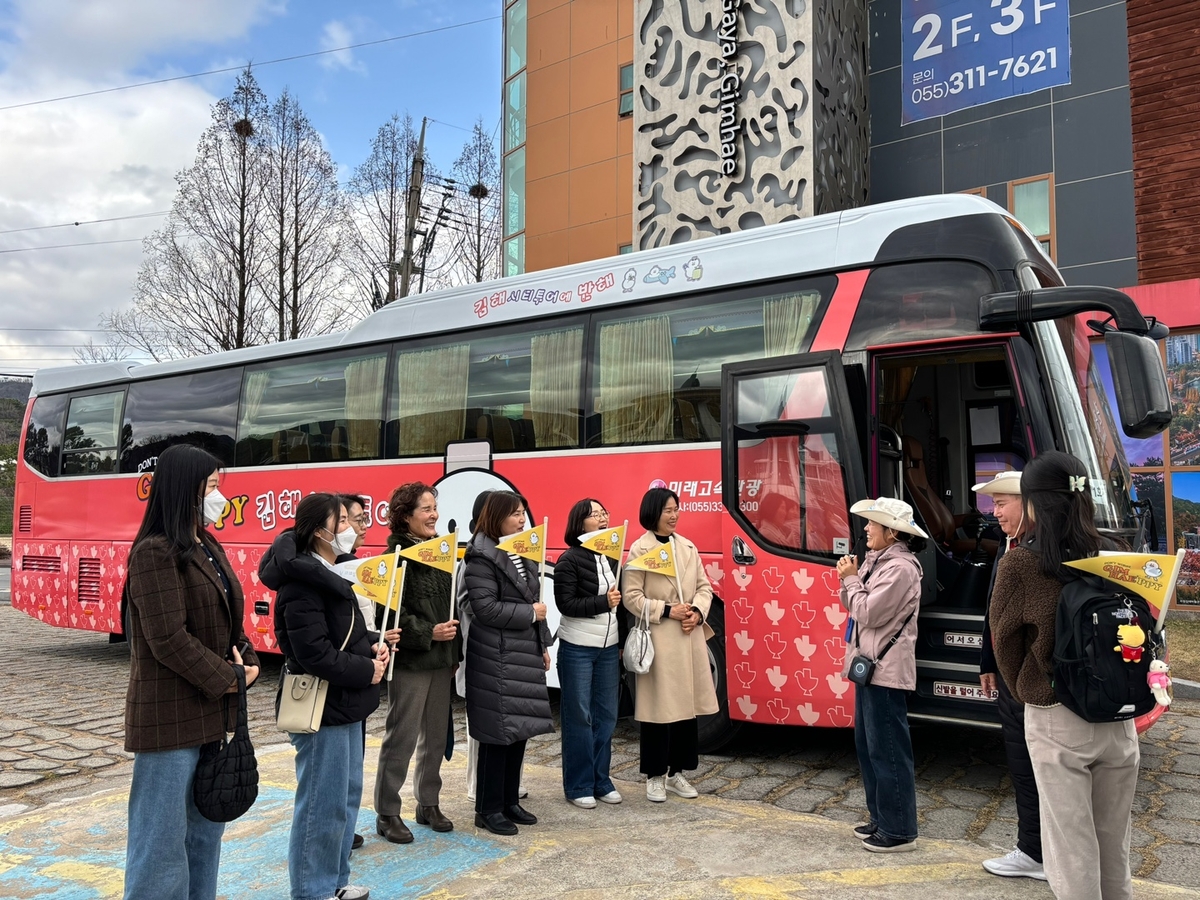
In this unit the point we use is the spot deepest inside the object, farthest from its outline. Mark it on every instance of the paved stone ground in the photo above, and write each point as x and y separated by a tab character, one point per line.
61	733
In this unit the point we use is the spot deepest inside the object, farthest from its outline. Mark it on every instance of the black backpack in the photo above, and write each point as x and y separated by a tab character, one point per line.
1100	659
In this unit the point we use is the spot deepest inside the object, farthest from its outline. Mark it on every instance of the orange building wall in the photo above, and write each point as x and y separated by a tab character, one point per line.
578	153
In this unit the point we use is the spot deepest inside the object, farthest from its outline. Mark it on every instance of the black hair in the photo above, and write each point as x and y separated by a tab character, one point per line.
914	542
654	501
174	509
498	506
347	499
575	519
1055	487
477	508
312	514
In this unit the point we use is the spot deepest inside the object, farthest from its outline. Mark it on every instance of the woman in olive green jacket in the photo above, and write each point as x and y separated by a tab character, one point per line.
419	693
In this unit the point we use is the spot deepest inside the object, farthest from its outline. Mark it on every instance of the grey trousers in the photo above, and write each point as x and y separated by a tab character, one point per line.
1086	777
418	716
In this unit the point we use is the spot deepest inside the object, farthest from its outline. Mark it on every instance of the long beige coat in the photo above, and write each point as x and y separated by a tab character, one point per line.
679	684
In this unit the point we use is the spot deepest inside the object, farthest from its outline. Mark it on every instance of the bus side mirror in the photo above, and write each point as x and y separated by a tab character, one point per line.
1140	382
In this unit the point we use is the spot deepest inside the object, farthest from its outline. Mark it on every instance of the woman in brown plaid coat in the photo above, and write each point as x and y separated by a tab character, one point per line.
183	619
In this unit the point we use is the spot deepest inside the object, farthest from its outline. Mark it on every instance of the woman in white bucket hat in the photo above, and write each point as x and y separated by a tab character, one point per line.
882	600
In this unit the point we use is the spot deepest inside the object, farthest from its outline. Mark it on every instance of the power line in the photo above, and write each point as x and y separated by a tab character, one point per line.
87	222
66	246
269	62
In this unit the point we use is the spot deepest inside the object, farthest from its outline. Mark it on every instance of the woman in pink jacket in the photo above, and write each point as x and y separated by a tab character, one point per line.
882	600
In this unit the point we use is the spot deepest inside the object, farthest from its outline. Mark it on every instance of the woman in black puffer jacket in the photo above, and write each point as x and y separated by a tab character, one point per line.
316	616
508	653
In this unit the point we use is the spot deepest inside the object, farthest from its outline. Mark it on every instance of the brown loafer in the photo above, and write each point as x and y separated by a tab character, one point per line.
357	842
392	828
432	816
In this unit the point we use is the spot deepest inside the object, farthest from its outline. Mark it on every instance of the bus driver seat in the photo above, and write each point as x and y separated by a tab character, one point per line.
938	518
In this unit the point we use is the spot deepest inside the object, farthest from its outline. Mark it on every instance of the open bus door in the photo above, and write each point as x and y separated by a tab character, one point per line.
791	468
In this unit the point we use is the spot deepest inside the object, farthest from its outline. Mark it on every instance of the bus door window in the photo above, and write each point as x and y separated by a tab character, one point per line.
90	441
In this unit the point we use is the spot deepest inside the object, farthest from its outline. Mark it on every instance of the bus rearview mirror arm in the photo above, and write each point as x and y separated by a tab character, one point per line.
1006	311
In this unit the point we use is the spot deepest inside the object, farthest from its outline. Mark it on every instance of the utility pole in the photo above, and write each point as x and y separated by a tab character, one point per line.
412	212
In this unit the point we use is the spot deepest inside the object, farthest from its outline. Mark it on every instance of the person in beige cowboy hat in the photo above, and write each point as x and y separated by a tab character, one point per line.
1024	860
882	600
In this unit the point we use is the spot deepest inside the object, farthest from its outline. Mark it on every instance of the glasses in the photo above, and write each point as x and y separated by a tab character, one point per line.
601	514
364	520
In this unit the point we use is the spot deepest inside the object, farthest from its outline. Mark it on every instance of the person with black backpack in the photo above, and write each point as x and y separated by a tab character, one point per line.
1086	771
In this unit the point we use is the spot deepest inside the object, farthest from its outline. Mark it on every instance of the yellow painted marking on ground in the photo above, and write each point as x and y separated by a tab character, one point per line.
41	816
778	887
12	860
108	881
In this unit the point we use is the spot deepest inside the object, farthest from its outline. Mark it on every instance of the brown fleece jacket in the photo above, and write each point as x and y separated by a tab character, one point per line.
1024	602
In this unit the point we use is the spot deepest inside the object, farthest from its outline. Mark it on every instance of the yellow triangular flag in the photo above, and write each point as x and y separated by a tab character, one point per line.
531	543
608	541
372	577
1150	575
660	560
438	552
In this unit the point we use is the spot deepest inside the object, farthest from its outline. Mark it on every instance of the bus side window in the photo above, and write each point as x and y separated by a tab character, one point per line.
43	437
90	441
199	409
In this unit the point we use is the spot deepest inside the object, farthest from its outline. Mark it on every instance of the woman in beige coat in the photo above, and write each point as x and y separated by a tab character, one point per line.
679	685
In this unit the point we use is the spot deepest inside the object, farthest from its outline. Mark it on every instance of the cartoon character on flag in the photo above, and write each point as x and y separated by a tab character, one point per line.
608	542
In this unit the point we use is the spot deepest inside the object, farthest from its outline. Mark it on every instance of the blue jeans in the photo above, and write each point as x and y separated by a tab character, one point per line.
589	681
329	782
172	852
886	759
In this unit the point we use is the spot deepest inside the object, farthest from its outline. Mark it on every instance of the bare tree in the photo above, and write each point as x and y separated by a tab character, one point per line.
474	215
377	193
307	222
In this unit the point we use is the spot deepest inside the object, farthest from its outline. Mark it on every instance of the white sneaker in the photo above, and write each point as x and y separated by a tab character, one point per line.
677	784
1017	864
353	892
584	802
656	791
613	796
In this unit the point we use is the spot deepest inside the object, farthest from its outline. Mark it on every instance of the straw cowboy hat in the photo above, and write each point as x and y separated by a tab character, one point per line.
1003	483
890	513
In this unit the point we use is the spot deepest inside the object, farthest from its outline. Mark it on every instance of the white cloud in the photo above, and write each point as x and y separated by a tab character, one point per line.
338	34
93	158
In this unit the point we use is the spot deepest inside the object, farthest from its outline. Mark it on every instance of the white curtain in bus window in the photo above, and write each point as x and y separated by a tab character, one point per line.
556	364
432	388
791	487
786	321
300	411
635	381
90	441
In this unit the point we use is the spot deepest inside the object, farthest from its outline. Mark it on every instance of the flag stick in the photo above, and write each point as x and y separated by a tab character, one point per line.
403	570
1170	594
454	576
675	566
621	557
542	563
387	599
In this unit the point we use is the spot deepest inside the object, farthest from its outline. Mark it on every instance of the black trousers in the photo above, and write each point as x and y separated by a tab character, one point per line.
669	748
1020	770
498	777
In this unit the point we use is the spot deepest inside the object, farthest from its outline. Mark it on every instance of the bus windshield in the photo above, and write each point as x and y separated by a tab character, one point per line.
1084	419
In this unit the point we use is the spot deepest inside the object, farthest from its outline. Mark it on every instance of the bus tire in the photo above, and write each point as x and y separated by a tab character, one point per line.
717	730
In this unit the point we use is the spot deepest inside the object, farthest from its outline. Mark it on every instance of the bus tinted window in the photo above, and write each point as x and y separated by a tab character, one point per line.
659	376
198	409
90	441
519	391
43	437
919	301
322	409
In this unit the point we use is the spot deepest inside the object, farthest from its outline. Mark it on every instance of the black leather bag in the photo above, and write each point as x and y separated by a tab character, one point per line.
226	782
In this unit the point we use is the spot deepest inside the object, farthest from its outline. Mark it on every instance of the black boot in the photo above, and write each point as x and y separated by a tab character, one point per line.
496	823
520	815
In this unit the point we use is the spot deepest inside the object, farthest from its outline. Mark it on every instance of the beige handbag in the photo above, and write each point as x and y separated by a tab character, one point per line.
302	698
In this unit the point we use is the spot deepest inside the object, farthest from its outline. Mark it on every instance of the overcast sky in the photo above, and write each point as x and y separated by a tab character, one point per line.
116	154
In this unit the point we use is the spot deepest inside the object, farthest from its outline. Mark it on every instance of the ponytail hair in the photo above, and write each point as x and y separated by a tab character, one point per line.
1055	489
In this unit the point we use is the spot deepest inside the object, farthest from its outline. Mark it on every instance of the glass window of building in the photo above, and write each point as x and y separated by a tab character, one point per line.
514	38
90	441
1032	202
514	113
514	192
514	255
625	106
658	377
44	434
322	409
520	391
199	409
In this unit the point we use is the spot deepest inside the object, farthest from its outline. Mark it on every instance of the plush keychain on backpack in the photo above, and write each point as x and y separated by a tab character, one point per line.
1130	641
1160	682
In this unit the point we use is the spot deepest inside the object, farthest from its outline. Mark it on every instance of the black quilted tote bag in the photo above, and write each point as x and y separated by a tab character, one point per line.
226	783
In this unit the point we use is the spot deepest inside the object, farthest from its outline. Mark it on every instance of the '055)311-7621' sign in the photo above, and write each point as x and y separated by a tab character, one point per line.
961	53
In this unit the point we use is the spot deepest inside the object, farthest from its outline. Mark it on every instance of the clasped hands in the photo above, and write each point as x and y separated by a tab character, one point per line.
686	615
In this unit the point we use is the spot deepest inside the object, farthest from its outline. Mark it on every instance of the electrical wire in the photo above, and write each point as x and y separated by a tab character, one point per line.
238	68
87	222
65	246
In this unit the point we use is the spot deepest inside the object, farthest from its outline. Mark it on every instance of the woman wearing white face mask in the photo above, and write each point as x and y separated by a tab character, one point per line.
183	618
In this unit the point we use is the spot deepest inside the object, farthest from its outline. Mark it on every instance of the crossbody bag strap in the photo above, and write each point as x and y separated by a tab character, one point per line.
895	637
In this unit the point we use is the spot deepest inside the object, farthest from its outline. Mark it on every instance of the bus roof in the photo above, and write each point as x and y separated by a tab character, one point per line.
833	241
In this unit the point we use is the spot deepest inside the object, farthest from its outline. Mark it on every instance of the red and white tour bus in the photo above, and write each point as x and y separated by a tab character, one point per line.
771	378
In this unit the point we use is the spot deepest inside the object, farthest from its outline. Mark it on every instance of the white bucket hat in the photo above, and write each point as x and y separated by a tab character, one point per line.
890	513
1002	483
